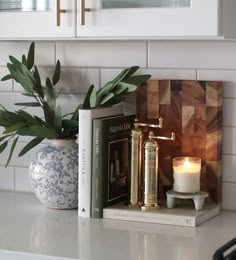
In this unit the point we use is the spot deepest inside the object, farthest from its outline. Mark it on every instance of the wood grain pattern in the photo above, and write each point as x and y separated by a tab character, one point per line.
193	110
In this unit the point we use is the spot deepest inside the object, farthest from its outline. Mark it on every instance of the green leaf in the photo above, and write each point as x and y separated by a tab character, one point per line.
107	98
120	88
16	63
25	82
57	73
7	77
30	57
28	117
28	104
23	59
66	123
10	117
113	101
75	115
3	107
4	137
50	94
92	99
3	146
58	120
70	127
12	150
5	123
125	74
120	77
43	123
130	72
104	90
48	114
130	87
138	79
86	103
26	131
30	145
44	132
14	127
38	85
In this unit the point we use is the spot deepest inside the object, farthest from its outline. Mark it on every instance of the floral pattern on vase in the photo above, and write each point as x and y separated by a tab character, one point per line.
54	174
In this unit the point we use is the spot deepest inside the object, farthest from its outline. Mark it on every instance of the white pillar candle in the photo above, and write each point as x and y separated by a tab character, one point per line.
187	172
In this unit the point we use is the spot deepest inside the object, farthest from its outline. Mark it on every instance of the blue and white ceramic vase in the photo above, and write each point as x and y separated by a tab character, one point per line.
54	174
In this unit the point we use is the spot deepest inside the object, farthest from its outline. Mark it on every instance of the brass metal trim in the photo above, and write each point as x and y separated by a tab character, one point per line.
58	12
82	12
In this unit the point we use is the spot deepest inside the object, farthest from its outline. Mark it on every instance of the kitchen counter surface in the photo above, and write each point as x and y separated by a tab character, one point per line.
27	226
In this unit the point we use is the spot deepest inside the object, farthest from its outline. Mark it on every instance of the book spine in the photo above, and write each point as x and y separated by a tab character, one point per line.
97	174
85	142
85	154
186	221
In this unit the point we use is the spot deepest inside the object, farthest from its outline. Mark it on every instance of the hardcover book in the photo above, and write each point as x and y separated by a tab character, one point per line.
184	216
111	161
85	153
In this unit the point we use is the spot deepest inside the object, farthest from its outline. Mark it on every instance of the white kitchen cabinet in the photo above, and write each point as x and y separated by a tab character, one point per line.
20	19
156	18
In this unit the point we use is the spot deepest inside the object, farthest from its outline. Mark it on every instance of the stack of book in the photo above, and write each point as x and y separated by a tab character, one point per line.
104	155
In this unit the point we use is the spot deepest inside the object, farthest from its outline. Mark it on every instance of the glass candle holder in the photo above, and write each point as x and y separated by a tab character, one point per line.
187	172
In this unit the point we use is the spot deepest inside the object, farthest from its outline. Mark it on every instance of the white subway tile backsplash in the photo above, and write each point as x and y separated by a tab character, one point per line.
229	88
78	80
69	102
222	75
229	140
22	181
192	54
229	166
228	195
229	112
102	54
6	178
44	52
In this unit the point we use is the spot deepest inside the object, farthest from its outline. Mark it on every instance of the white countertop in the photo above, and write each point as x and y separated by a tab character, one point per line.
27	226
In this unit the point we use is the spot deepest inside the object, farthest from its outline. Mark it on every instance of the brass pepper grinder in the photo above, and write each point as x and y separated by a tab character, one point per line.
151	147
136	164
136	188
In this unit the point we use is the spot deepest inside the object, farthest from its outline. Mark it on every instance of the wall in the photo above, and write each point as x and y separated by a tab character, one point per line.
84	63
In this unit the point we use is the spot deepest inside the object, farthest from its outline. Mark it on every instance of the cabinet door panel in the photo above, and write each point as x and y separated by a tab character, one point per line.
36	19
116	19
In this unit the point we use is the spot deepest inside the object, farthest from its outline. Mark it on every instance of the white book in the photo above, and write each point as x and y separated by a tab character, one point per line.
187	216
85	153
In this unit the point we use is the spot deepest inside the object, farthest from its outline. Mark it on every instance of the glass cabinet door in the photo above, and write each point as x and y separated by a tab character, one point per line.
149	18
37	18
144	3
26	5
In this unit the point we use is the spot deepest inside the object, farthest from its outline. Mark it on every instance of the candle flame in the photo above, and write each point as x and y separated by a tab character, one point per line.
187	164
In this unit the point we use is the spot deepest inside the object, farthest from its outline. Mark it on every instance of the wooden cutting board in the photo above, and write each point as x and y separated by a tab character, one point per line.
193	110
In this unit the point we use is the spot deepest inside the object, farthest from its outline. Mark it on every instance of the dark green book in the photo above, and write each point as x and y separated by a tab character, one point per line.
111	162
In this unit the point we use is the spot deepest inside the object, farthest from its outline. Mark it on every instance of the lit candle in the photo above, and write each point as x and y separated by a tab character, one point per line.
187	172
